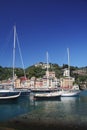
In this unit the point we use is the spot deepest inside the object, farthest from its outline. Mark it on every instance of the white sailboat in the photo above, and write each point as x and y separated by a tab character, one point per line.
10	93
24	92
70	92
47	95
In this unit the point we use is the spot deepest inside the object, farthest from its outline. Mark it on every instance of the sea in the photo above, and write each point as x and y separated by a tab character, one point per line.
67	108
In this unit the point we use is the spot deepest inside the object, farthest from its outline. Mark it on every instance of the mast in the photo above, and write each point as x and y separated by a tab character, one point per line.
47	71
16	40
14	52
68	65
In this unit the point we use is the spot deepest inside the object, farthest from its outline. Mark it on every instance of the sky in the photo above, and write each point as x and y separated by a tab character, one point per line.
44	26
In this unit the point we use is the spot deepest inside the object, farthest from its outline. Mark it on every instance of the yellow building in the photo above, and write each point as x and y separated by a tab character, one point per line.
17	83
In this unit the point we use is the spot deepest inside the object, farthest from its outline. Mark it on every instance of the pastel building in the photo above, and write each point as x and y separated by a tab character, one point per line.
66	81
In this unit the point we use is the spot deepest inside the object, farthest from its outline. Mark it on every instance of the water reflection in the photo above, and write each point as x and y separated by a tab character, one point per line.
47	109
68	99
10	109
69	105
67	109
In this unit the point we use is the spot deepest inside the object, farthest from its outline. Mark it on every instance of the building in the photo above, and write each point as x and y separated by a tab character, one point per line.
32	82
66	72
42	65
66	81
17	83
38	83
50	74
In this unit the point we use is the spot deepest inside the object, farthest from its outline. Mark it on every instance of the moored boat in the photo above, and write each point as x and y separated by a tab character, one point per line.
70	93
43	90
9	95
72	90
47	96
24	92
46	93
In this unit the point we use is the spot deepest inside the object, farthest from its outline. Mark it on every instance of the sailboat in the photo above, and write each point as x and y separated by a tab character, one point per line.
71	92
24	91
10	93
47	95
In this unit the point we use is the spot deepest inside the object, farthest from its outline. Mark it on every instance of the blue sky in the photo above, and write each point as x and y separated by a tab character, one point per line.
44	25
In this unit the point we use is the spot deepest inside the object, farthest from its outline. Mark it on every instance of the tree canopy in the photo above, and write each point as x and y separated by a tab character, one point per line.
39	72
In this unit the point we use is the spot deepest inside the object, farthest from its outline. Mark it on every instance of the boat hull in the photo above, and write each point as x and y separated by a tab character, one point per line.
24	92
9	95
47	96
70	94
43	90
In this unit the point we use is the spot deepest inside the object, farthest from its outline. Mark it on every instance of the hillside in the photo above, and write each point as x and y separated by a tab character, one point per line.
38	70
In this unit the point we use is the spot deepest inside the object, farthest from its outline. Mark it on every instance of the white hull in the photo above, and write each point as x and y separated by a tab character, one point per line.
4	91
70	93
51	95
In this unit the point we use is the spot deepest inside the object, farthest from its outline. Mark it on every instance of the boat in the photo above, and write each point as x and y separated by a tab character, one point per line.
41	90
9	93
73	92
46	95
70	92
24	91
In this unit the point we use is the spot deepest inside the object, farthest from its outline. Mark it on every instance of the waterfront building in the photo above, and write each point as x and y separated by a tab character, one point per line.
32	82
17	83
49	80
38	83
66	72
67	81
51	74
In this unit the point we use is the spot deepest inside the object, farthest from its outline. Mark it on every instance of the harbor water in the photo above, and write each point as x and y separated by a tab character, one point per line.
72	109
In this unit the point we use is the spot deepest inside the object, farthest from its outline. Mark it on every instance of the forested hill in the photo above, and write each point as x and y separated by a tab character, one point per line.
38	70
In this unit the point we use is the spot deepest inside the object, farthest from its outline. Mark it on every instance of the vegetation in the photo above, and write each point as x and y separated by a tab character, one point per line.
39	72
33	71
6	73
